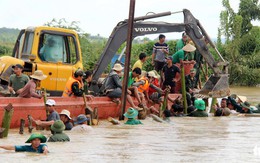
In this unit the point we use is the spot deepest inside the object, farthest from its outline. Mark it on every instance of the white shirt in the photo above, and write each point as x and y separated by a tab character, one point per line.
82	128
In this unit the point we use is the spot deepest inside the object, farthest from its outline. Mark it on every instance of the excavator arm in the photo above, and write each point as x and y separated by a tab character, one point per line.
193	29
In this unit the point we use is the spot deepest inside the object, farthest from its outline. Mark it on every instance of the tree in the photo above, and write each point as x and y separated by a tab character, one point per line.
249	10
242	41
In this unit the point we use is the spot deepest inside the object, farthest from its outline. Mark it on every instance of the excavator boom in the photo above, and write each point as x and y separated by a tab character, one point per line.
216	86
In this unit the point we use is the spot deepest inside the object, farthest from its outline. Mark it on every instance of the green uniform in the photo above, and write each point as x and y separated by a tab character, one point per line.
130	79
18	82
198	113
179	55
59	137
179	45
133	122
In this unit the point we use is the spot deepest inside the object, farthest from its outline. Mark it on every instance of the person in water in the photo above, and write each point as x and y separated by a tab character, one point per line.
200	112
57	134
131	114
36	146
246	108
65	117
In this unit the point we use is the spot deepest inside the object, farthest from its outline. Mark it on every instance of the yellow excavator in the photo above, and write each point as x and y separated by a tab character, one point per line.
57	52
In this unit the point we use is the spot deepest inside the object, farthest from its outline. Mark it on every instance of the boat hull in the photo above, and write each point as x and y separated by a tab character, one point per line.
36	108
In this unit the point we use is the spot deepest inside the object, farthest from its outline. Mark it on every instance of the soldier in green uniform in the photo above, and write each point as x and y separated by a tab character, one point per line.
200	112
131	114
57	127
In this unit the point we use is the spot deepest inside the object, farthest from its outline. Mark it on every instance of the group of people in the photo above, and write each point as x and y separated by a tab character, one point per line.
57	123
150	86
145	86
62	121
20	85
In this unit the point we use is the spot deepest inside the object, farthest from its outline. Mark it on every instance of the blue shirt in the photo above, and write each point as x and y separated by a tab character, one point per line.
53	116
29	148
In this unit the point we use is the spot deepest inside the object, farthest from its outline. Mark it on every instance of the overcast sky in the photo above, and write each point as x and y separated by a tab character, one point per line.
101	16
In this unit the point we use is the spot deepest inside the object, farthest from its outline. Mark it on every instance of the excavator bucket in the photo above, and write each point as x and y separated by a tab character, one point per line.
216	86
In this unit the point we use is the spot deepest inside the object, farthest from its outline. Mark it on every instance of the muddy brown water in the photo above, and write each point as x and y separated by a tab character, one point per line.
252	93
186	139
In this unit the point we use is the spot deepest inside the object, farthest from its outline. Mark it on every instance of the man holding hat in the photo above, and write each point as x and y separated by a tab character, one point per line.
113	85
180	56
28	90
237	105
200	112
36	146
58	136
65	117
169	74
17	80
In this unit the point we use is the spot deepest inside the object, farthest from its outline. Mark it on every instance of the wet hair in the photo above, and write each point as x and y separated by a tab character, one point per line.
229	102
161	36
177	108
177	101
190	109
224	99
137	70
142	56
167	113
88	74
180	109
218	112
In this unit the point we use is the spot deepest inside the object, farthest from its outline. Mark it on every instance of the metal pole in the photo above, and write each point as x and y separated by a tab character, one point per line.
127	57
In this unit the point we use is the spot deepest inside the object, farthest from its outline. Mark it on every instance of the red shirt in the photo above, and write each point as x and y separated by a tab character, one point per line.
151	90
29	90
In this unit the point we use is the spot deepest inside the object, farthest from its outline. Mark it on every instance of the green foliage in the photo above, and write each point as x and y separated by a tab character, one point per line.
8	35
250	42
7	39
5	50
62	23
249	10
91	50
242	47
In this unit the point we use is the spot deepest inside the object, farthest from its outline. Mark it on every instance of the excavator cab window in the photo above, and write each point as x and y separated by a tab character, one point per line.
52	48
72	58
57	48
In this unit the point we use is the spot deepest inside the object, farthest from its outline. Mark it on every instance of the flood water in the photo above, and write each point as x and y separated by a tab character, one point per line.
187	139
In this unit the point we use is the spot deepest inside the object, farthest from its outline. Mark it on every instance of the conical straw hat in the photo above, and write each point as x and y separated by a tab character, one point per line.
189	48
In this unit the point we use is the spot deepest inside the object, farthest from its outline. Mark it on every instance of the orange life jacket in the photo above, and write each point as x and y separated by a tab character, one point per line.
145	86
68	90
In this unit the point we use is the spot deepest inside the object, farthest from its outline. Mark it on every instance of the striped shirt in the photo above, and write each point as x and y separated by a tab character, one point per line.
158	51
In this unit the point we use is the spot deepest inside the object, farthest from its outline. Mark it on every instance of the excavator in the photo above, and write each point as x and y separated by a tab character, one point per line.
57	52
216	86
